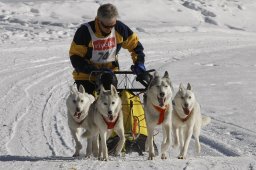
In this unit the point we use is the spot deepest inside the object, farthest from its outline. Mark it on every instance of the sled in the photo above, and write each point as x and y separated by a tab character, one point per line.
133	115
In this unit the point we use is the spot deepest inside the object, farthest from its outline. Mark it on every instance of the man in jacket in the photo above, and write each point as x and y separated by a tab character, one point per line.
96	45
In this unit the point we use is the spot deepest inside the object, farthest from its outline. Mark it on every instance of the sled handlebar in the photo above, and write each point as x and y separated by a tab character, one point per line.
130	72
139	78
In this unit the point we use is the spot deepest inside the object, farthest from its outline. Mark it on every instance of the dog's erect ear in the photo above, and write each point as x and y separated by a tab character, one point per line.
166	74
156	74
81	89
113	90
189	86
73	89
102	89
181	88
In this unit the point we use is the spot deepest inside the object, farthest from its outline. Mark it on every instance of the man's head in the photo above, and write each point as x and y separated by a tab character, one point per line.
107	15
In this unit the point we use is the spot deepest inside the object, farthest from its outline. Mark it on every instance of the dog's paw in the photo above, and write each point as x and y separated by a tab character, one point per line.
76	155
163	156
87	156
151	156
117	154
181	157
102	159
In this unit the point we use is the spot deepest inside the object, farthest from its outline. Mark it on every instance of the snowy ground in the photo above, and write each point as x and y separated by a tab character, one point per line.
210	44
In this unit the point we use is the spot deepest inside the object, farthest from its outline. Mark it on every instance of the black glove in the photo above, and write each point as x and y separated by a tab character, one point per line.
138	68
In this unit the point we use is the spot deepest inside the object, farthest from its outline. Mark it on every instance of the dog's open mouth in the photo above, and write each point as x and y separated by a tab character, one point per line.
186	110
161	101
110	117
77	114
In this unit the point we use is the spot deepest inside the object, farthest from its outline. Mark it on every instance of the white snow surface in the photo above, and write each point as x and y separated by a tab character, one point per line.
211	44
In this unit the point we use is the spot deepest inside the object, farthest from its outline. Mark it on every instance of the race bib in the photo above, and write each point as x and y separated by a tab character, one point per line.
104	49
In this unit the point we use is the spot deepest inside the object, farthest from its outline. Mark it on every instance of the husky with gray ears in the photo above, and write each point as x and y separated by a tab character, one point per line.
158	110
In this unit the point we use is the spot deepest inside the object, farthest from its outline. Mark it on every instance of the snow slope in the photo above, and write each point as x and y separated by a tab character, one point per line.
211	44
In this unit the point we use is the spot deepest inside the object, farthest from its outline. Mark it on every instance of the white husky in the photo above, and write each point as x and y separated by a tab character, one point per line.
158	109
187	120
78	104
106	116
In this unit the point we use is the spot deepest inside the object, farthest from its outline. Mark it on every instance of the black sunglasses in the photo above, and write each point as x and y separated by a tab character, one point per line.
107	26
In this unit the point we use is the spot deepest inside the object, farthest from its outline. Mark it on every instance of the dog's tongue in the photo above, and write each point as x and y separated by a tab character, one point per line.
77	115
110	117
186	111
161	101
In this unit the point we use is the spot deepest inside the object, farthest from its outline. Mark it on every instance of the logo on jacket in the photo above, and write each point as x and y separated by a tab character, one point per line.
104	44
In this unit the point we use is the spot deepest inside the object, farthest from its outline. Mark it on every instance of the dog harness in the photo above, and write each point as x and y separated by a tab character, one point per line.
161	112
110	125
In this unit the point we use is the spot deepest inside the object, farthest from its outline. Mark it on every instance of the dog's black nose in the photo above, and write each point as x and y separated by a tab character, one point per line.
78	109
161	94
110	112
186	104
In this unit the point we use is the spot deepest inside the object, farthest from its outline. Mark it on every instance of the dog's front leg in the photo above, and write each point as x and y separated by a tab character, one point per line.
120	145
78	145
166	141
150	144
188	135
181	138
103	137
175	134
196	134
95	146
89	148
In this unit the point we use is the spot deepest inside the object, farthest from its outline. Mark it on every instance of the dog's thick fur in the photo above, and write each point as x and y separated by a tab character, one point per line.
186	120
106	109
158	98
78	104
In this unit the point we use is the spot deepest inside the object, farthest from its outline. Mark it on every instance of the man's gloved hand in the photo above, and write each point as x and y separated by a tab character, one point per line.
138	68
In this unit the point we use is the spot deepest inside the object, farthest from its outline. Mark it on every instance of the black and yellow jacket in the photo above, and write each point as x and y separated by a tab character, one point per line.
81	49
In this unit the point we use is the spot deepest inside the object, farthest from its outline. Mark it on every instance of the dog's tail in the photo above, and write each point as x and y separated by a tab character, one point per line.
205	120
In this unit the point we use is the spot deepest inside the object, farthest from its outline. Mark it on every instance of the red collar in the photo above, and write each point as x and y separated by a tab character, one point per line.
186	118
162	112
110	125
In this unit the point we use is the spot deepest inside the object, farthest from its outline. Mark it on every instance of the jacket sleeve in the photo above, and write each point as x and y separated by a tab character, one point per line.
131	42
79	49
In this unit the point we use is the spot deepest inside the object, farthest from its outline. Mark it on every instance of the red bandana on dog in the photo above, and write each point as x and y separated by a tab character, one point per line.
162	112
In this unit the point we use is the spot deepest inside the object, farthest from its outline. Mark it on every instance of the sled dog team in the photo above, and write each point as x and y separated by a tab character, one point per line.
179	116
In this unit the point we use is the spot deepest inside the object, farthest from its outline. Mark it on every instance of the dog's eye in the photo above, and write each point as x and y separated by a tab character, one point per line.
74	101
182	97
82	101
105	104
189	97
113	102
